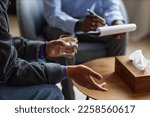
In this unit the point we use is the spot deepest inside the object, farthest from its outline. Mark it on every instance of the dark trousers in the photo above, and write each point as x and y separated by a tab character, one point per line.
34	92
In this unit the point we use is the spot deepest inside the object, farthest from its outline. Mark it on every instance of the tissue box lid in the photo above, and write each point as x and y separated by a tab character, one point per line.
138	81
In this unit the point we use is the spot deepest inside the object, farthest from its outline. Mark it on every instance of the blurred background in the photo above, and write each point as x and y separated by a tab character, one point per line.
138	13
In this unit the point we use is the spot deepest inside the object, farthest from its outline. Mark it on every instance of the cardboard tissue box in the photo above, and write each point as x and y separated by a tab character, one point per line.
137	80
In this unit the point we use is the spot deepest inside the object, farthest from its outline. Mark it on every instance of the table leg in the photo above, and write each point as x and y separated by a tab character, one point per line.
87	97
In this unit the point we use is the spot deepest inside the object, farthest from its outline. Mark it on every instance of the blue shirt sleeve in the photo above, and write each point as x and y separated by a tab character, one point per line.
58	18
41	54
110	11
64	14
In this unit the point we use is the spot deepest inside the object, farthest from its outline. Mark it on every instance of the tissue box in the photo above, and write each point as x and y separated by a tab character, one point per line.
138	81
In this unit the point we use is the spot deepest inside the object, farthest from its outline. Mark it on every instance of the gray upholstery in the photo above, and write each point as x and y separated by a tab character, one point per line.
31	22
88	51
30	16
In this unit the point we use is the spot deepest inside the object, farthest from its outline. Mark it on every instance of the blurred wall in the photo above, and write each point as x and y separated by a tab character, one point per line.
139	13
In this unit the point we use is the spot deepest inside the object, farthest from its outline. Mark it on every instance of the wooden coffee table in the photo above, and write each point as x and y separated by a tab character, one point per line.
117	89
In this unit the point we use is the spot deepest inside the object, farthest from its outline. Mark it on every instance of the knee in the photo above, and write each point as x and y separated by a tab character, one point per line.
50	92
35	92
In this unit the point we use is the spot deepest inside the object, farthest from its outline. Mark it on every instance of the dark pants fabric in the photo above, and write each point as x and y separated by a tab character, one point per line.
34	92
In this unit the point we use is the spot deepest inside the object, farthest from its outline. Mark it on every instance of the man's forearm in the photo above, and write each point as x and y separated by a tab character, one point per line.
16	71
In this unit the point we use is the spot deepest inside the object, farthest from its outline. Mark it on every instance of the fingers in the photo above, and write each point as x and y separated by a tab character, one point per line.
95	74
70	49
100	87
94	85
69	38
58	42
97	20
68	55
92	22
62	42
75	48
102	84
119	36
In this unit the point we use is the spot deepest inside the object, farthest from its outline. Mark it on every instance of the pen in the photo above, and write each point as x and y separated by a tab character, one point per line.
93	14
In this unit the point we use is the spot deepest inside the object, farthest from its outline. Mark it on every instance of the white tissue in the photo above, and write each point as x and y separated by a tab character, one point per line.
138	60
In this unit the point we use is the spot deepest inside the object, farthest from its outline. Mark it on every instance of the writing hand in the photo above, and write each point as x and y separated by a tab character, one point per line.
90	23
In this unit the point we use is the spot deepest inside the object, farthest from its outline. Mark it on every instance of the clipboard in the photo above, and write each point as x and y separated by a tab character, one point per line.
110	30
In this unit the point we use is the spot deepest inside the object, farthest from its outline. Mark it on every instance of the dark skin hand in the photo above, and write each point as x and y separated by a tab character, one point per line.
81	74
118	36
90	23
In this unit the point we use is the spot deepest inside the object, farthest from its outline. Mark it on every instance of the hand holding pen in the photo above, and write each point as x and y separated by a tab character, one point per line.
90	23
92	13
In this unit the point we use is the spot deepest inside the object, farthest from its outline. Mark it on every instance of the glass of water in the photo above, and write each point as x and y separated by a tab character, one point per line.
70	50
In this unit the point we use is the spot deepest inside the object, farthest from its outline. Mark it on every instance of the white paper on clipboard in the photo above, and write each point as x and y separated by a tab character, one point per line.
116	29
110	30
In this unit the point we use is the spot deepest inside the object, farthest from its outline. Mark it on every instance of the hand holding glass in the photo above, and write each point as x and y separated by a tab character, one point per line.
71	46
